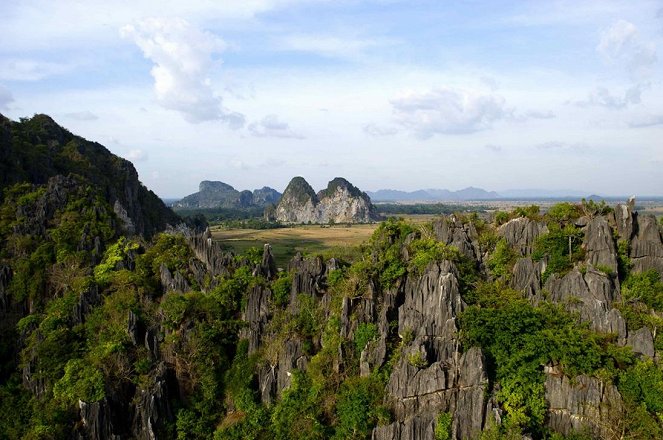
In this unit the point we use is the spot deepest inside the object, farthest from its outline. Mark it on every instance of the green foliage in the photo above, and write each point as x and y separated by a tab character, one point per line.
427	250
532	212
297	414
365	333
518	340
170	250
116	253
501	217
592	209
563	212
502	259
81	381
359	408
645	287
643	384
624	263
417	359
281	289
554	247
443	426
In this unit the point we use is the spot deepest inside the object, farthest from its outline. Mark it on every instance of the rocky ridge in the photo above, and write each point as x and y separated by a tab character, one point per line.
340	202
215	194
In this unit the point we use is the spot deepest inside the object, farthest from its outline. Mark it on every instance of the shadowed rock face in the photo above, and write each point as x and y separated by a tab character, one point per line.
340	202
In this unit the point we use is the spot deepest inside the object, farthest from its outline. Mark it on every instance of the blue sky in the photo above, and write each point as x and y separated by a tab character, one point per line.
387	93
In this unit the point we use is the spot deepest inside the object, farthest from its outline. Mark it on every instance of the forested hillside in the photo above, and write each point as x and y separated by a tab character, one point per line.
542	325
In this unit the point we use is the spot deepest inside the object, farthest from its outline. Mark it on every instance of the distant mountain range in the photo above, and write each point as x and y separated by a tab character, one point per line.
425	195
473	193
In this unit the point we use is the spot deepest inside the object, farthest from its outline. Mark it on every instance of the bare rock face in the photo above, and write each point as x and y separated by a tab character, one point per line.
340	202
599	244
527	276
450	230
433	375
592	295
96	421
257	316
642	341
582	403
521	233
647	245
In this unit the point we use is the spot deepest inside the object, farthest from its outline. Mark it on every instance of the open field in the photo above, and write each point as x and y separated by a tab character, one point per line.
286	242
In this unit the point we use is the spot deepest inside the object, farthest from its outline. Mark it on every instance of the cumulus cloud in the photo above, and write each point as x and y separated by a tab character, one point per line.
377	130
82	116
448	111
271	126
5	98
137	155
182	57
621	43
646	121
601	97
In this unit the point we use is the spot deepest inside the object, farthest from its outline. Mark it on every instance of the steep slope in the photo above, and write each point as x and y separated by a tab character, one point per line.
214	194
36	149
340	202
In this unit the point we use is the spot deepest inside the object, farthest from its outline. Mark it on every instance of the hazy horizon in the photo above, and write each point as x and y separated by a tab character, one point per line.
388	94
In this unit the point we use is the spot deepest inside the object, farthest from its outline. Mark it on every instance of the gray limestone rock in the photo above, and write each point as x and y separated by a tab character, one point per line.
521	233
642	341
527	276
452	231
340	202
582	403
599	244
647	245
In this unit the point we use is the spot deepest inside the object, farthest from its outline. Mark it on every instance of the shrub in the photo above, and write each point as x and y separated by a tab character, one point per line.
281	289
443	427
81	381
365	333
501	261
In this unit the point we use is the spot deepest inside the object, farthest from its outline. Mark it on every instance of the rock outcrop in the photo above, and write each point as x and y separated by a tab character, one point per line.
215	194
340	202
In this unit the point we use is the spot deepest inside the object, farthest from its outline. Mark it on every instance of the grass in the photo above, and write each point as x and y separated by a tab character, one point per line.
286	242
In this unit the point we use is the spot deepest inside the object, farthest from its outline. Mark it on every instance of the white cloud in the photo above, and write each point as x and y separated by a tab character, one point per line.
182	57
493	148
5	98
378	130
448	111
621	43
271	126
137	155
82	116
646	121
601	97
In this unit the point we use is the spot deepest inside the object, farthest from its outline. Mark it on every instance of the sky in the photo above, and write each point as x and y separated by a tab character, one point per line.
386	93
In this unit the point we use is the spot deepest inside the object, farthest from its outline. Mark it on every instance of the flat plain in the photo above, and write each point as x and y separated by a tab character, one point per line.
286	242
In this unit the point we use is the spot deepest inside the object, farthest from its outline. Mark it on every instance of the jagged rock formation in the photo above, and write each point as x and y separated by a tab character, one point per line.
214	194
582	404
340	202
